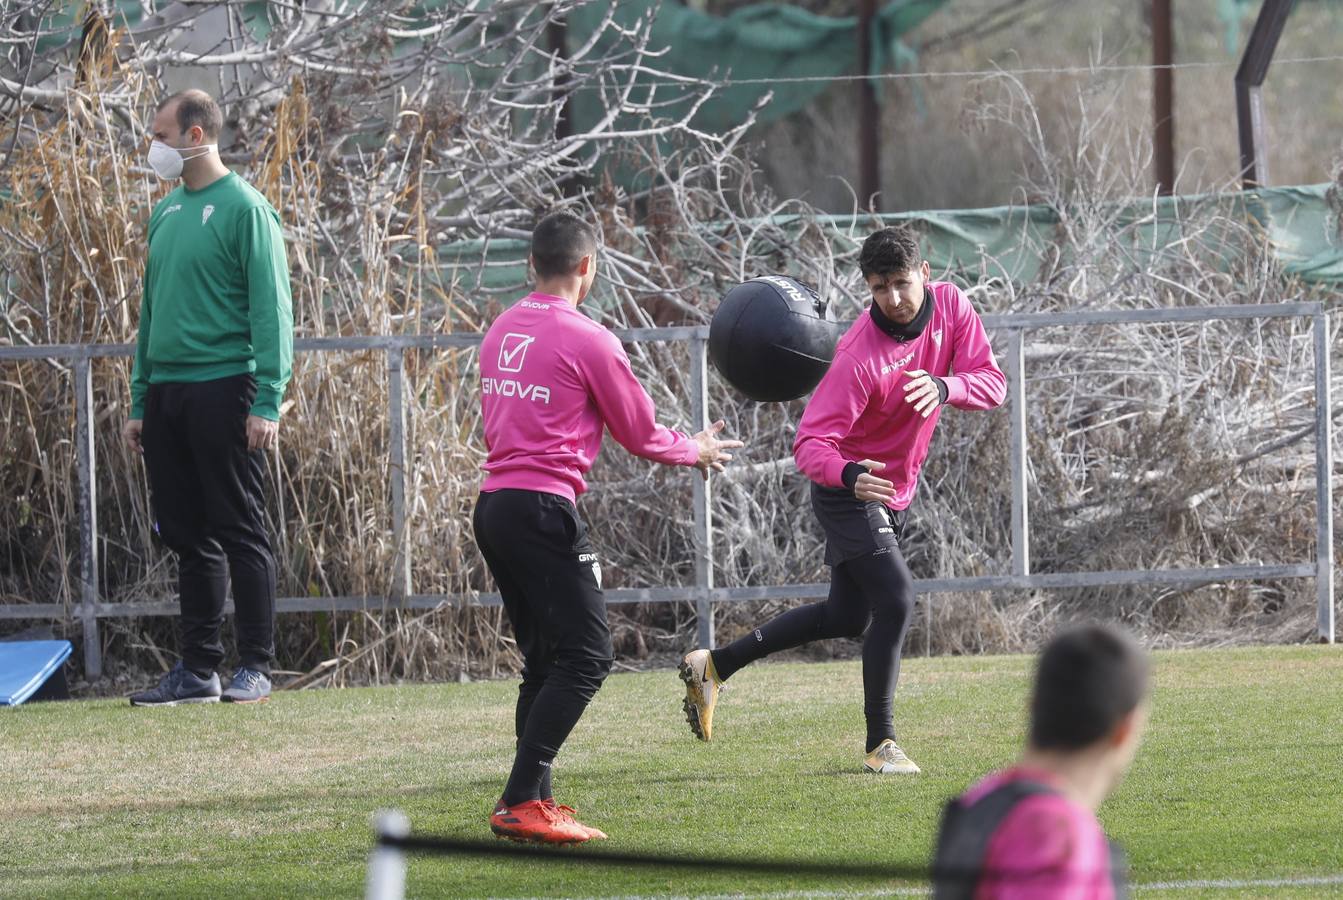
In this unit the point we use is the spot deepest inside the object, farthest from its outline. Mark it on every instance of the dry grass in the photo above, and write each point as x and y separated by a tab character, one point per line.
1144	440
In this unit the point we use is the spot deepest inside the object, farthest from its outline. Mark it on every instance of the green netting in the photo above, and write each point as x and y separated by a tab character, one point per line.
62	24
760	43
1008	242
771	41
765	42
1238	18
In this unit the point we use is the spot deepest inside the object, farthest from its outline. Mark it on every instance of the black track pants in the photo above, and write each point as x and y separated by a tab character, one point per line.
538	551
871	595
207	497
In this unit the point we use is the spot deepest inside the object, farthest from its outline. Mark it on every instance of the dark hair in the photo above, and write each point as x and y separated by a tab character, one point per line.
889	251
196	108
559	242
1088	678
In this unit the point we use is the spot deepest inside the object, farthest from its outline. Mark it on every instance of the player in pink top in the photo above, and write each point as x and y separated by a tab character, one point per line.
1031	830
551	380
919	347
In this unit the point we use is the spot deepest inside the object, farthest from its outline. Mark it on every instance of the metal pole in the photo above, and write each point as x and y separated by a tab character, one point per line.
928	625
869	114
699	415
1324	470
88	520
1250	77
557	41
1250	132
1163	95
396	414
387	865
1016	391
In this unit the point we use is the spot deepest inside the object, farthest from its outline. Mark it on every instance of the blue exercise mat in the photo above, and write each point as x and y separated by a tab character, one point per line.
24	665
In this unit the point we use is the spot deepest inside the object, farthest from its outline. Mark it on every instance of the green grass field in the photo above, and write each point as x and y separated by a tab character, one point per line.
1240	778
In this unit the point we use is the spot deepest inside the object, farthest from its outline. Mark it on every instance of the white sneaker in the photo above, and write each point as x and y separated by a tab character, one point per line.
889	759
701	692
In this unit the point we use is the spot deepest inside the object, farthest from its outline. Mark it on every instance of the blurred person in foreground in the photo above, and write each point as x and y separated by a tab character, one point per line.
1030	831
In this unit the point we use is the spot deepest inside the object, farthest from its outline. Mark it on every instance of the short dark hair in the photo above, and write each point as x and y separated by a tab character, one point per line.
1087	679
196	108
559	242
889	251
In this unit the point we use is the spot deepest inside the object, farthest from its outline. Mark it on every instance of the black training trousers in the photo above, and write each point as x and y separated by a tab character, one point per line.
206	492
871	594
538	551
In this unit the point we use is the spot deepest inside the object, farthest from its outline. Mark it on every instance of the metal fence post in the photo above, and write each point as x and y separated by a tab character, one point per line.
396	415
386	877
699	416
1016	391
89	608
1324	471
88	519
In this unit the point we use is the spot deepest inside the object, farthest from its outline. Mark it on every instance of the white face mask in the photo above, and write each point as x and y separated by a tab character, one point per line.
167	161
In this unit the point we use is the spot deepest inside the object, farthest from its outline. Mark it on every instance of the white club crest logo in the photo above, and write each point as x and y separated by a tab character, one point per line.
207	212
513	350
937	337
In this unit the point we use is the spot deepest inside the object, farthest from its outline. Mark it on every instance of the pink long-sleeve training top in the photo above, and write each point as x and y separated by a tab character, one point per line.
859	411
1047	848
550	379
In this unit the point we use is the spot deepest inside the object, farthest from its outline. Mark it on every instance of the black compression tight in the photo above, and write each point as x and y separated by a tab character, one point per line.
872	595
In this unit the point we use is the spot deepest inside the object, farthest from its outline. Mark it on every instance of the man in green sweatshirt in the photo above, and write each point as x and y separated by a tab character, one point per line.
211	363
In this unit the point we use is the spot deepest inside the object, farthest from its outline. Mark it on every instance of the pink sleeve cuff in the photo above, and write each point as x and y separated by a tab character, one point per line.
957	392
833	472
691	450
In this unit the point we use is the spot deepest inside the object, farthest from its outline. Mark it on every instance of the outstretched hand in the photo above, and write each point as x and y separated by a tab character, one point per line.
712	451
869	486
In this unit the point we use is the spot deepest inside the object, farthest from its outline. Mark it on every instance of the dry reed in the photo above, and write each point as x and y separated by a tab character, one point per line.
380	152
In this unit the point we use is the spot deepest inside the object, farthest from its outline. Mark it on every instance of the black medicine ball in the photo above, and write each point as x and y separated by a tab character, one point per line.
771	338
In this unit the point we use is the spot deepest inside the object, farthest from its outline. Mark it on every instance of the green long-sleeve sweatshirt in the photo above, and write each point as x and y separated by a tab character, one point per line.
216	294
